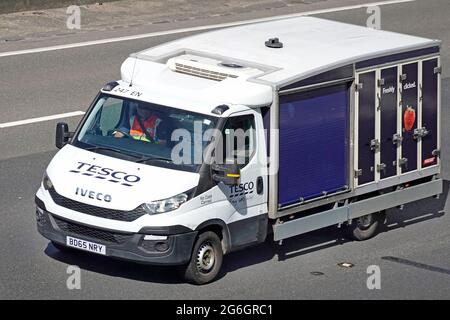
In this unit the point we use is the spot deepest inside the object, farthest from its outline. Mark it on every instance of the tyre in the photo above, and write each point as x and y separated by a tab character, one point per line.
365	227
206	259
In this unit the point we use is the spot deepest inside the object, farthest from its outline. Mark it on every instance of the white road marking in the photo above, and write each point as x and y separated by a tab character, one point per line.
40	119
199	28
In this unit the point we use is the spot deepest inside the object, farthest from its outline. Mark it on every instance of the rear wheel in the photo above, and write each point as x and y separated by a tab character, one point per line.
365	227
206	259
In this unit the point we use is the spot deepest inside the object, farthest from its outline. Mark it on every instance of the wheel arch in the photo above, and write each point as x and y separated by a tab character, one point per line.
220	228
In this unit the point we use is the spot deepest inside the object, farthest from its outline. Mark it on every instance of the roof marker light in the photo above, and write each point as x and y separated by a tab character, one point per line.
110	85
220	109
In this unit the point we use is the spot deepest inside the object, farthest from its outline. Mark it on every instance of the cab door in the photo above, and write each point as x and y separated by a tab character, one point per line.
244	143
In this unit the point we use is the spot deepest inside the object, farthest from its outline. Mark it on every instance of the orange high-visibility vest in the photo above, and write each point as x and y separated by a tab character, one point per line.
150	125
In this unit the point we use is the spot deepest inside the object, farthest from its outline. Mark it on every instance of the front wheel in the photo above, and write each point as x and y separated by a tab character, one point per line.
206	259
365	227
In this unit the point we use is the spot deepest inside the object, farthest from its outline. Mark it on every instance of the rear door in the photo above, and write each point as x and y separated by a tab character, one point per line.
430	117
365	112
409	105
389	137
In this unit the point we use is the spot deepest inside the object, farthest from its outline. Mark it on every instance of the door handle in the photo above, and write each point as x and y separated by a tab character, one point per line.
259	185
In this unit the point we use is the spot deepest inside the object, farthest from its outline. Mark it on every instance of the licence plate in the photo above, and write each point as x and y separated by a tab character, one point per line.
85	245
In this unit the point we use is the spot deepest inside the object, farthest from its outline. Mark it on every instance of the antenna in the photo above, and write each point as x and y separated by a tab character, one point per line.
132	74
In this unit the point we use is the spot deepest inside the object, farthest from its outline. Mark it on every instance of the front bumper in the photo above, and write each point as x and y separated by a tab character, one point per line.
175	250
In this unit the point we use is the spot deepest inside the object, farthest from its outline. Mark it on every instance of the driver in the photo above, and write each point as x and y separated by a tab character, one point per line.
146	125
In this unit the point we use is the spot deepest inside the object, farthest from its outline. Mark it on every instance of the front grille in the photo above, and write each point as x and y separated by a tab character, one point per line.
92	233
96	211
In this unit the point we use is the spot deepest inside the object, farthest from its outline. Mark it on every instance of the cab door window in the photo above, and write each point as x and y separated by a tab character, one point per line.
239	139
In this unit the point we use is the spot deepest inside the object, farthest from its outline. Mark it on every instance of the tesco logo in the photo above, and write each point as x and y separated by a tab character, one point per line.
103	173
242	187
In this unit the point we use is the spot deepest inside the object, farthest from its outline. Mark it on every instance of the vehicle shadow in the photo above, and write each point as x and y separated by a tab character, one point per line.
413	213
114	267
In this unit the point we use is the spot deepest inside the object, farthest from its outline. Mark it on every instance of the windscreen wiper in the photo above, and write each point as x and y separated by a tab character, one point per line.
96	148
140	159
152	158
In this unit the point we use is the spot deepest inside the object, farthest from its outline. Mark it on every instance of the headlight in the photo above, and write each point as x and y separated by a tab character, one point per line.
165	205
46	182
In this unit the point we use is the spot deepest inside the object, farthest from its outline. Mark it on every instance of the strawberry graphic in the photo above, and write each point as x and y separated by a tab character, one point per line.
409	118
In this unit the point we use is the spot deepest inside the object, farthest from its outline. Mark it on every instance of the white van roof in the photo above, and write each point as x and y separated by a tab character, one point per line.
310	46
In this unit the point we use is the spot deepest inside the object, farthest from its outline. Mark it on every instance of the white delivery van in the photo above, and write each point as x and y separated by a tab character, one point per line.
212	142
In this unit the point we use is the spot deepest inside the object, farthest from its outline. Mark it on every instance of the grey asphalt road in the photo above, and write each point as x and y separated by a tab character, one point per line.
413	252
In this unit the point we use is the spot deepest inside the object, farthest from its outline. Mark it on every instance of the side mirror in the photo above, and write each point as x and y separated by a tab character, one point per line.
229	174
62	134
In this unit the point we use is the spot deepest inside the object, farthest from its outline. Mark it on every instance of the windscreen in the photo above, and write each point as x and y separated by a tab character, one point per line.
146	132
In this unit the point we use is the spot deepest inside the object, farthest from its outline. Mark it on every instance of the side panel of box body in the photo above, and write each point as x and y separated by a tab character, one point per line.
428	67
314	144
